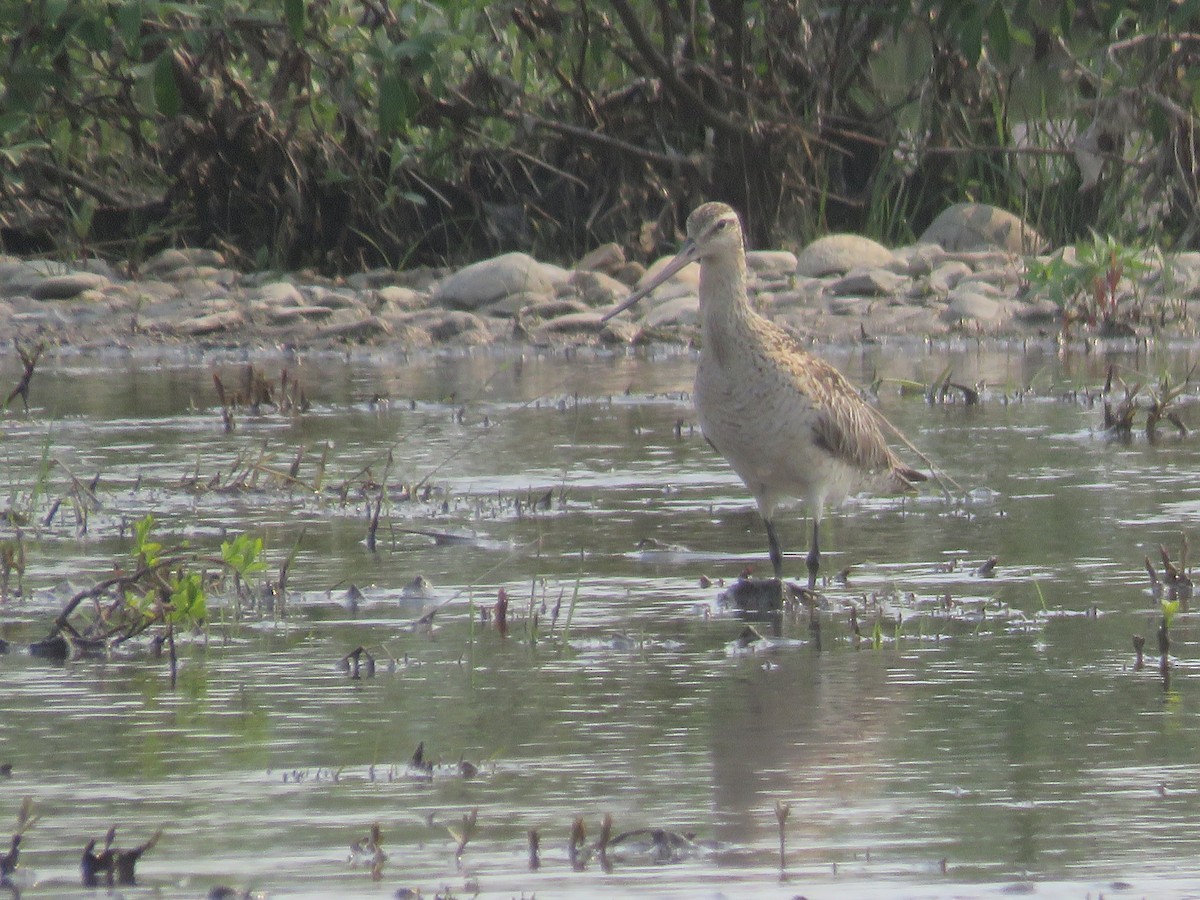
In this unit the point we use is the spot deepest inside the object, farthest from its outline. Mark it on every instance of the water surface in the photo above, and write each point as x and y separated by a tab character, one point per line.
985	734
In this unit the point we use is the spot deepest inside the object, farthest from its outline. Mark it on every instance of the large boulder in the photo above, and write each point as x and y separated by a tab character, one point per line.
483	283
979	226
837	254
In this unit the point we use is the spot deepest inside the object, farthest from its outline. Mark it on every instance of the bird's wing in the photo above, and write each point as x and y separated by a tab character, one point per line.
844	425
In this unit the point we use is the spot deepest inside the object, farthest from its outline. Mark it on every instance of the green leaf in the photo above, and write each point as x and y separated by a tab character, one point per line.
129	24
1000	32
1169	609
144	548
1066	18
293	13
970	36
166	91
397	103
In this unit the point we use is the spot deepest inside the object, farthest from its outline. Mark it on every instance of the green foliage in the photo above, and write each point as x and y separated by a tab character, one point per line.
244	555
145	550
342	134
1085	283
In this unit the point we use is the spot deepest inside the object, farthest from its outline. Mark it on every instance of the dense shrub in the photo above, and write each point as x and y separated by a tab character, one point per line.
345	133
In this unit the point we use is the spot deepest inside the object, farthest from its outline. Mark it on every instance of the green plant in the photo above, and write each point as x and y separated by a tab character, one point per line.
166	588
1086	283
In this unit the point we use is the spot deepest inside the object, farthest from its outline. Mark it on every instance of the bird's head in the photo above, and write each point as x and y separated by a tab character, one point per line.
713	229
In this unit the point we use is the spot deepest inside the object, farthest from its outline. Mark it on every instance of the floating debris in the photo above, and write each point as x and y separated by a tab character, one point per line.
655	845
368	851
464	834
535	859
782	811
419	588
101	868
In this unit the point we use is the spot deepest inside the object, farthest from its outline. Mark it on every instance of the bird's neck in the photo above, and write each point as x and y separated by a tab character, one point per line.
724	301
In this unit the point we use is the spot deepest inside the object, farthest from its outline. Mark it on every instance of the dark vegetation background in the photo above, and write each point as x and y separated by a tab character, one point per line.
344	134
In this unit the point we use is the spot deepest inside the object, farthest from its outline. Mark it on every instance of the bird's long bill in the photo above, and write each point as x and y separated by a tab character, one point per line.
686	255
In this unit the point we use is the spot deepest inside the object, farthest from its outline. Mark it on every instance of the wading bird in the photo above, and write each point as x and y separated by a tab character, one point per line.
789	423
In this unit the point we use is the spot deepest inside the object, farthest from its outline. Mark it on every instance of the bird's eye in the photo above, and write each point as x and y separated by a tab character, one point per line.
721	225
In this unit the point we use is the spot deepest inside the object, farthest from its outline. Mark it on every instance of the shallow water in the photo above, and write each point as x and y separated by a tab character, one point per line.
985	735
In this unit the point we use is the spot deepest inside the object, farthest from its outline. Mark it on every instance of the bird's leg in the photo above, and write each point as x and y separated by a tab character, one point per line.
774	549
814	557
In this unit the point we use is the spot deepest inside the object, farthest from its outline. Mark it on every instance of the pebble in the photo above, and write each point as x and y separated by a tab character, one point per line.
64	287
838	288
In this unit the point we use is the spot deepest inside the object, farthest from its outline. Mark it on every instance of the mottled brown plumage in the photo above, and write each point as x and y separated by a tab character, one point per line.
789	423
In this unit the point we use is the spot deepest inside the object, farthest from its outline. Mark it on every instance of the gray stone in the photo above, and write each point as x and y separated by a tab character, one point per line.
554	309
944	278
771	262
510	305
918	259
687	278
64	287
586	321
372	279
836	254
356	329
213	322
167	261
398	297
277	293
681	310
607	258
971	306
979	226
460	326
287	315
483	283
869	281
598	289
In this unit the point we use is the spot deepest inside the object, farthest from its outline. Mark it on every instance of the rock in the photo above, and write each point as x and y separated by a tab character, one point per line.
372	279
510	305
64	287
484	283
167	261
869	281
277	293
1180	274
836	254
971	306
398	297
356	329
17	278
943	279
460	326
222	320
1037	311
979	226
586	321
616	332
607	258
598	289
287	315
765	263
555	309
688	276
918	259
681	310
